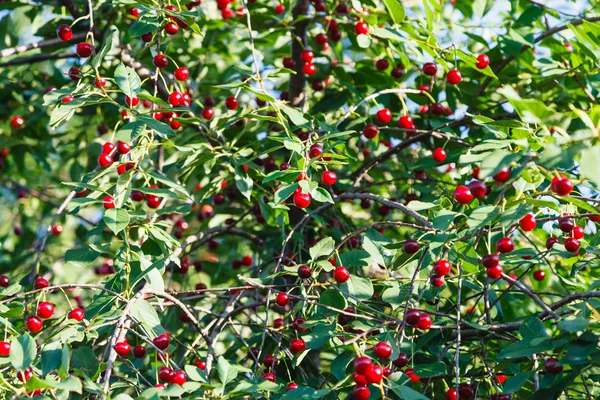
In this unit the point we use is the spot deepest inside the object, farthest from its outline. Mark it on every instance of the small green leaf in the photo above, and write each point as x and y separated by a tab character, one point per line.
22	352
395	9
116	219
127	80
81	257
323	248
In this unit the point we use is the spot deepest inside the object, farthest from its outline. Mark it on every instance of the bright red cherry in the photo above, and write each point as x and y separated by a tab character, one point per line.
282	299
200	364
578	232
108	148
104	160
162	341
360	379
505	245
231	103
270	361
291	386
132	101
374	374
304	272
123	147
477	188
503	175
208	113
302	200
160	61
182	74
551	366
309	69
171	28
463	194
166	374
383	350
439	155
315	150
247	261
122	348
57	230
454	77
384	116
4	281
341	274
67	99
40	283
424	322
436	280
297	346
362	364
410	246
429	69
307	56
528	223
328	177
84	49
412	317
572	245
74	73
175	99
321	39
279	8
269	376
77	314
100	82
494	272
278	323
451	394
482	61
441	267
490	260
64	32
563	187
370	131
4	349
539	275
45	310
25	375
361	393
179	378
500	379
17	121
33	324
108	202
361	28
406	122
566	225
139	351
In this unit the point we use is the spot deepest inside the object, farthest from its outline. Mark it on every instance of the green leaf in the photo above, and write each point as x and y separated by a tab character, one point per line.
395	9
340	364
375	244
406	393
145	314
163	130
51	357
358	288
127	80
364	41
396	295
243	182
532	328
429	370
130	131
84	359
573	325
112	37
515	383
320	334
333	298
495	161
321	195
293	145
294	115
71	384
144	25
590	164
225	371
323	248
116	219
81	257
482	216
22	352
284	192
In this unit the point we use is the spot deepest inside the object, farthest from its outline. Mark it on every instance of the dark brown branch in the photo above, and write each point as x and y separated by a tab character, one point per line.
37	58
41	45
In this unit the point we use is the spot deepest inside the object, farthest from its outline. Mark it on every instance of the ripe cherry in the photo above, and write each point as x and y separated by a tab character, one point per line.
429	69
341	274
412	317
539	275
578	232
401	361
100	82
454	77
361	392
424	322
466	391
505	245
4	349
572	245
45	310
208	113
179	378
104	160
551	366
321	39
291	386
563	187
282	299
490	260
441	267
57	230
25	375
17	121
270	361
297	346
302	200
382	64
527	223
132	101
374	374
502	175
410	246
40	283
362	364
166	374
139	351
439	155
289	63
160	61
171	28
304	272
64	32
482	61
200	364
307	56
406	122
297	324
328	177
4	281
147	37
494	272
361	28
384	116
175	99
181	74
463	195
436	280
551	241
315	150
84	49
74	73
451	394
382	350
122	348
370	131
309	69
279	8
33	324
477	188
398	72
123	147
231	103
77	314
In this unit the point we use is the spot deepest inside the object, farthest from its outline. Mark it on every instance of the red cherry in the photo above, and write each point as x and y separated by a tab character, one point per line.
429	69
578	232
539	275
454	77
361	28
384	116
482	61
17	121
441	267
500	379
282	299
139	351
490	260
551	366
307	56
494	272
412	317
302	200
132	101
477	188
401	361
309	69
40	283
269	376
108	148
566	225
505	245
451	394
67	99
278	323
100	82
181	74
160	61
328	177
374	374
563	187
104	160
166	374
279	8
463	195
108	202
304	272
406	122
175	99
341	274
84	49
147	37
208	113
321	39
291	386
179	378
383	350
572	245
361	393
123	148
439	155
77	314
25	375
382	64
122	348
33	324
503	175
57	230
424	322
362	364
297	346
171	28
162	341
231	103
64	32
200	364
398	72
436	280
370	131
4	281
4	349
527	223
289	62
45	310
466	391
410	246
270	361
74	74
551	242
